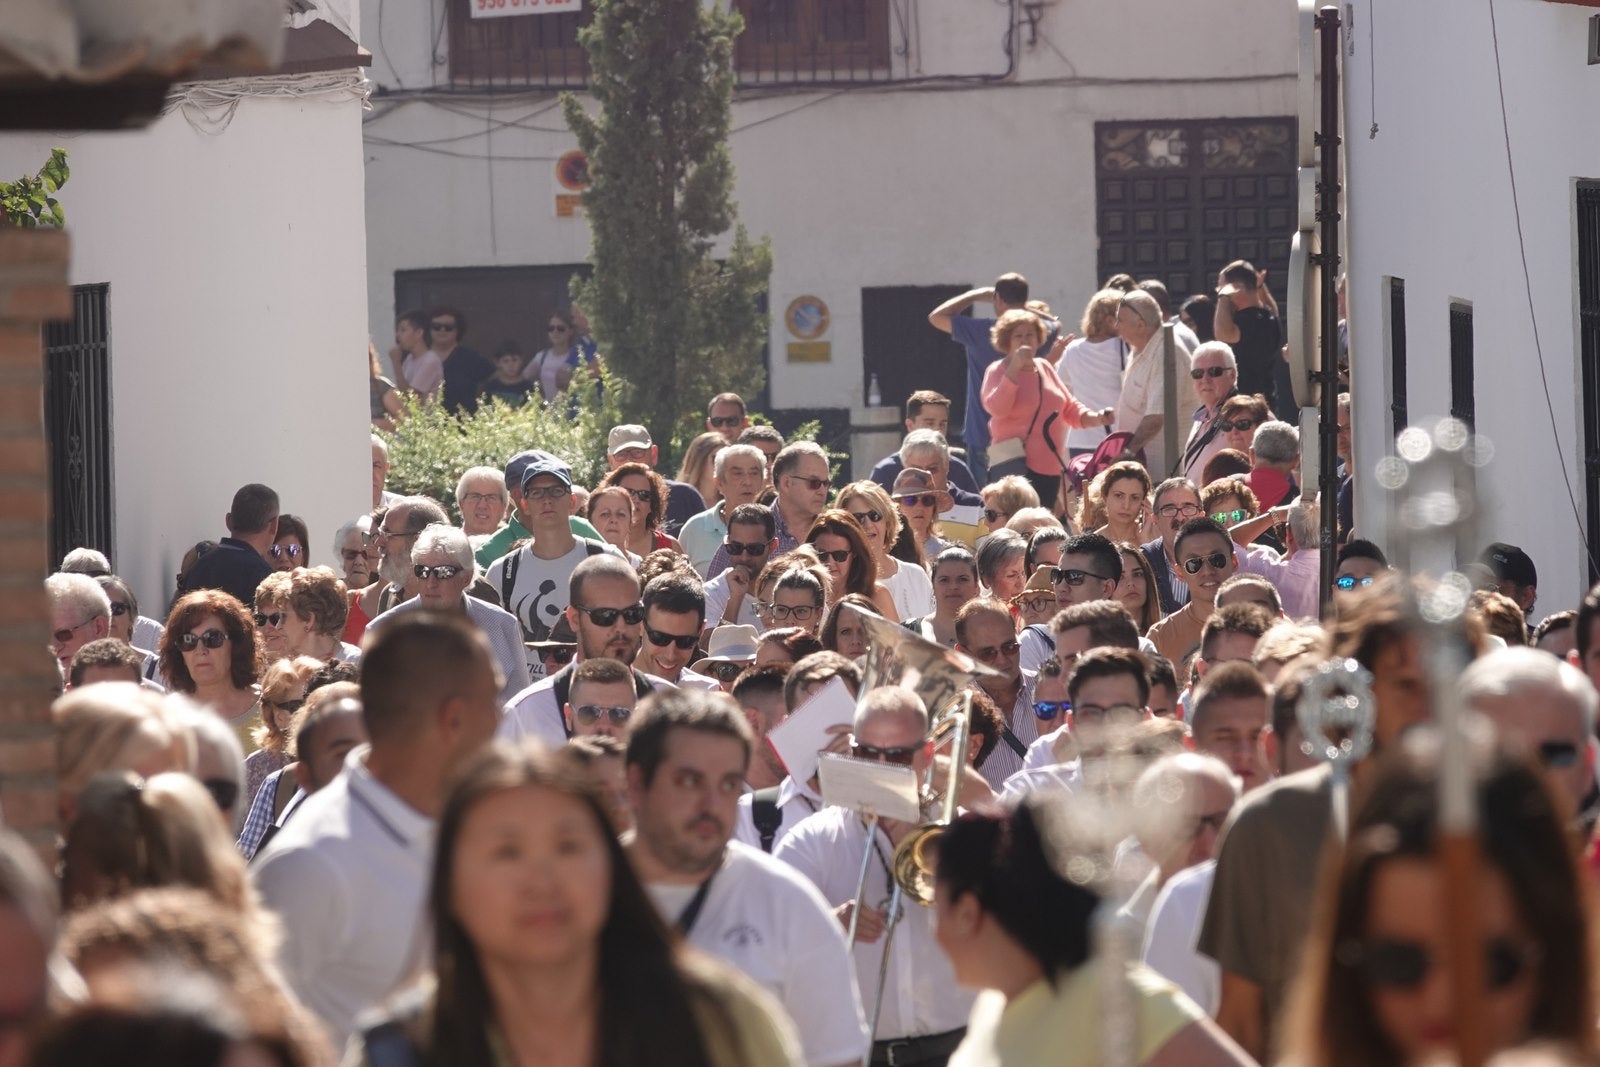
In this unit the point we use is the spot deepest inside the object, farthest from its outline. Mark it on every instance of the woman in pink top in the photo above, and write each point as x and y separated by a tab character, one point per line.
1028	405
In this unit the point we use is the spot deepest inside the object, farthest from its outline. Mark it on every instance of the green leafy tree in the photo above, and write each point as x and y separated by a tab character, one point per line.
675	324
29	202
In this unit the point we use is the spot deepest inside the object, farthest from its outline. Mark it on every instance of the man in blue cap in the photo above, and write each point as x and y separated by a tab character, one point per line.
517	529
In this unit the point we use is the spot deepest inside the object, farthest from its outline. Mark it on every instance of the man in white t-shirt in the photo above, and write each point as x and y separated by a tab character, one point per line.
688	751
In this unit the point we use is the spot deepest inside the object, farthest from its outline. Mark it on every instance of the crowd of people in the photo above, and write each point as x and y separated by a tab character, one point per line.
505	784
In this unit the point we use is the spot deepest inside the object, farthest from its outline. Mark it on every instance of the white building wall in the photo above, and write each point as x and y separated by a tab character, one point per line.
237	271
1430	201
896	185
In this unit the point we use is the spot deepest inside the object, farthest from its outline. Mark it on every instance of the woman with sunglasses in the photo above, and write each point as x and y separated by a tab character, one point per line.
288	551
283	692
1238	418
552	369
1374	987
875	512
649	492
303	613
922	503
852	568
211	651
127	625
1015	927
955	581
547	949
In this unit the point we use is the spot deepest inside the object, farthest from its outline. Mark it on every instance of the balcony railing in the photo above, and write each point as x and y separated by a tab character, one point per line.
785	42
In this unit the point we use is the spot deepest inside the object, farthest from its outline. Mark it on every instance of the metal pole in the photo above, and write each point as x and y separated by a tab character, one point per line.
890	922
1171	442
871	822
1328	216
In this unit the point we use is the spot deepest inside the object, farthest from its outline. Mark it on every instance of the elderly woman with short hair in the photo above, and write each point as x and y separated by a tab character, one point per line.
302	613
357	558
481	498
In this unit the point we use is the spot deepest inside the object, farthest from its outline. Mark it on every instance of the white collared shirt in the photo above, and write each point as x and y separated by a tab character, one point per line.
534	713
499	626
921	996
348	878
1173	930
772	924
796	800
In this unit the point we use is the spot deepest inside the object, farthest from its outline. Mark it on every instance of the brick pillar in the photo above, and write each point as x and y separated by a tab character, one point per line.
33	290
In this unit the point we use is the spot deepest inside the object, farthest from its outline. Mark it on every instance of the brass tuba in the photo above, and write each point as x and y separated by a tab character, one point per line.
918	852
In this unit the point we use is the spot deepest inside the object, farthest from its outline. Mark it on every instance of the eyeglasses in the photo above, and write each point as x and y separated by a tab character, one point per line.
224	791
838	555
1237	424
212	638
726	672
724	422
443	571
119	609
561	655
382	536
633	615
1042	602
273	620
63	636
589	714
292	551
1094	713
557	327
1073	576
991	516
1216	561
902	757
783	612
290	706
812	484
684	642
469	499
546	492
1228	518
1208	372
993	652
1168	511
1393	964
926	500
1350	581
864	517
1049	709
745	548
1558	755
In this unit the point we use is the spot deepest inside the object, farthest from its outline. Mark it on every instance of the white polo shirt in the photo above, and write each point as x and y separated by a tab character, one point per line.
1173	930
534	714
769	922
348	878
796	800
921	996
717	603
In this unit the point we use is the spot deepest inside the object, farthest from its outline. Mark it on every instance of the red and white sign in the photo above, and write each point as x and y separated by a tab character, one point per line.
494	9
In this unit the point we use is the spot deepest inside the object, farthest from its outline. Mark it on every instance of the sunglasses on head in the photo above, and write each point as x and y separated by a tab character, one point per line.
1350	581
589	714
1216	561
864	517
1394	964
1073	576
292	551
683	641
725	672
290	706
1208	372
275	619
212	638
745	548
443	571
724	422
902	757
561	655
1049	709
838	555
1228	518
926	500
633	615
1237	424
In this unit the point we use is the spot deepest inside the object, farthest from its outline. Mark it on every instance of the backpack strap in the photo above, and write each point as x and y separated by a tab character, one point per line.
508	582
562	680
1013	741
764	809
1044	634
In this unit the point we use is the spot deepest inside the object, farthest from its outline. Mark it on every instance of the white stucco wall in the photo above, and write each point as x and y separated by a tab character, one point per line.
237	271
1430	201
866	187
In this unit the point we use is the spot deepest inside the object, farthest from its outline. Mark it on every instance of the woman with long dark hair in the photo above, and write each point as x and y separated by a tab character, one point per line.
649	492
842	546
547	950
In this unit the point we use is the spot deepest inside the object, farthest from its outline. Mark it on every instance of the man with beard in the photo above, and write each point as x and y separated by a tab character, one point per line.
395	537
751	542
604	612
688	751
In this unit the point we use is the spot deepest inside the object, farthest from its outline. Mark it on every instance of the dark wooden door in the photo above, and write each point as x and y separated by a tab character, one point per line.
906	353
1179	200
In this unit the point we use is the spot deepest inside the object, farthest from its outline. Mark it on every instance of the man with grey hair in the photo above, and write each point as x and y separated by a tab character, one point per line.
1179	805
442	568
380	473
1297	572
1275	451
80	612
741	473
1141	409
481	498
407	517
802	479
88	561
928	450
1544	707
1215	374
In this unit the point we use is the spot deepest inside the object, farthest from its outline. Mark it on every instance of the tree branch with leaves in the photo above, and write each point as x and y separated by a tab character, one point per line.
30	202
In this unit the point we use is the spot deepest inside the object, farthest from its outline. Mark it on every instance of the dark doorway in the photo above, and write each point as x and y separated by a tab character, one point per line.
1180	200
1463	403
1401	416
77	419
1589	357
906	353
500	303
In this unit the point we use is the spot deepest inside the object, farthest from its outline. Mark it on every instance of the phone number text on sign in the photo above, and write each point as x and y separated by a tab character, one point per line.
493	9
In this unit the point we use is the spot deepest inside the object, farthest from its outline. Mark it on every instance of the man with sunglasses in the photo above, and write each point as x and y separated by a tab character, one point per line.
1176	502
726	415
1077	631
632	443
801	477
604	611
80	612
1215	374
239	561
1107	689
986	632
1205	558
730	596
674	615
516	527
601	699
